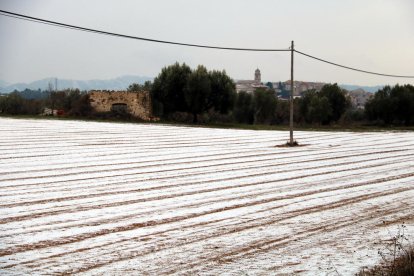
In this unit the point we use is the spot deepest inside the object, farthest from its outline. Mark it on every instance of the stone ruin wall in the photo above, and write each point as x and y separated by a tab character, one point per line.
138	103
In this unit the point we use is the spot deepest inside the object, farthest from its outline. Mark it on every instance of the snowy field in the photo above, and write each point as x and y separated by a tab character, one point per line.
102	198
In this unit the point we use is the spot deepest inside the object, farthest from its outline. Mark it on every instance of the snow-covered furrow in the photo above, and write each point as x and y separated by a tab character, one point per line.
76	166
259	200
123	156
133	211
149	245
131	225
27	209
112	231
70	143
154	171
86	197
232	192
270	165
223	185
47	209
285	247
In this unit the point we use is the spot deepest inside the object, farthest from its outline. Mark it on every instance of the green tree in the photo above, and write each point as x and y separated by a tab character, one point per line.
319	110
282	112
136	87
168	89
15	104
304	104
331	96
70	96
269	84
243	109
179	89
392	105
337	99
197	92
264	105
12	104
223	92
81	106
57	100
402	97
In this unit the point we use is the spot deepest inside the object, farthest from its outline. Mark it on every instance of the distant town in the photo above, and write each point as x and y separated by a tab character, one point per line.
282	89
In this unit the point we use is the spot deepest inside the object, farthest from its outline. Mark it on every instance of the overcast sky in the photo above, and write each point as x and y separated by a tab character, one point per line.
374	35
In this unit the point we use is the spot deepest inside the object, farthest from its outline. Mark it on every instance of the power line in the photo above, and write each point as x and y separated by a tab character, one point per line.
78	28
74	27
350	68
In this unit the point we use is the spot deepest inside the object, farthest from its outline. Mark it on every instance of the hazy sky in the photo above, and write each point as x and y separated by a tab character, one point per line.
375	35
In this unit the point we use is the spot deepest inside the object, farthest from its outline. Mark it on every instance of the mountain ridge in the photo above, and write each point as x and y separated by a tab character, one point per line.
352	87
119	83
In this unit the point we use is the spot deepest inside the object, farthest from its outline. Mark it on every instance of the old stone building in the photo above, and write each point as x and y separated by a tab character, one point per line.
138	104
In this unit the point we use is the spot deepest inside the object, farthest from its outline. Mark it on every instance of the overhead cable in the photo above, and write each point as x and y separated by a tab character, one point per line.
63	25
350	68
79	28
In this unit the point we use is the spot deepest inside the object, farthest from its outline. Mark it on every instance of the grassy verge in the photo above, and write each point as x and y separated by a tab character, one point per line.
348	128
400	266
356	128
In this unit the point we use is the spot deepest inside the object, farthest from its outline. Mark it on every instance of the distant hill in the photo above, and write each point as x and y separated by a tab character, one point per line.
306	85
371	89
120	83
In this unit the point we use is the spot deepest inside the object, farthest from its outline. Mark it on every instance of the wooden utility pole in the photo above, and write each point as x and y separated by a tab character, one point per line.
292	87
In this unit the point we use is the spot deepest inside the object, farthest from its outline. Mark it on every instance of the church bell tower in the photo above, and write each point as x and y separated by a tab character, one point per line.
257	76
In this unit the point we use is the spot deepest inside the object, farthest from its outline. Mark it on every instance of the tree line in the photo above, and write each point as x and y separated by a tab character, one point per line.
392	105
72	102
182	94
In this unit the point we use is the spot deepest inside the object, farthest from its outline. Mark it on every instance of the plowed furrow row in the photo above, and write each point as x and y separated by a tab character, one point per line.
132	226
407	157
225	197
169	196
203	171
140	199
254	246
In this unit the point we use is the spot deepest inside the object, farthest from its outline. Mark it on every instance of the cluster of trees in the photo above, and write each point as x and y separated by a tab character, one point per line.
325	106
72	101
179	91
315	107
33	102
392	106
261	107
178	88
15	104
136	87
